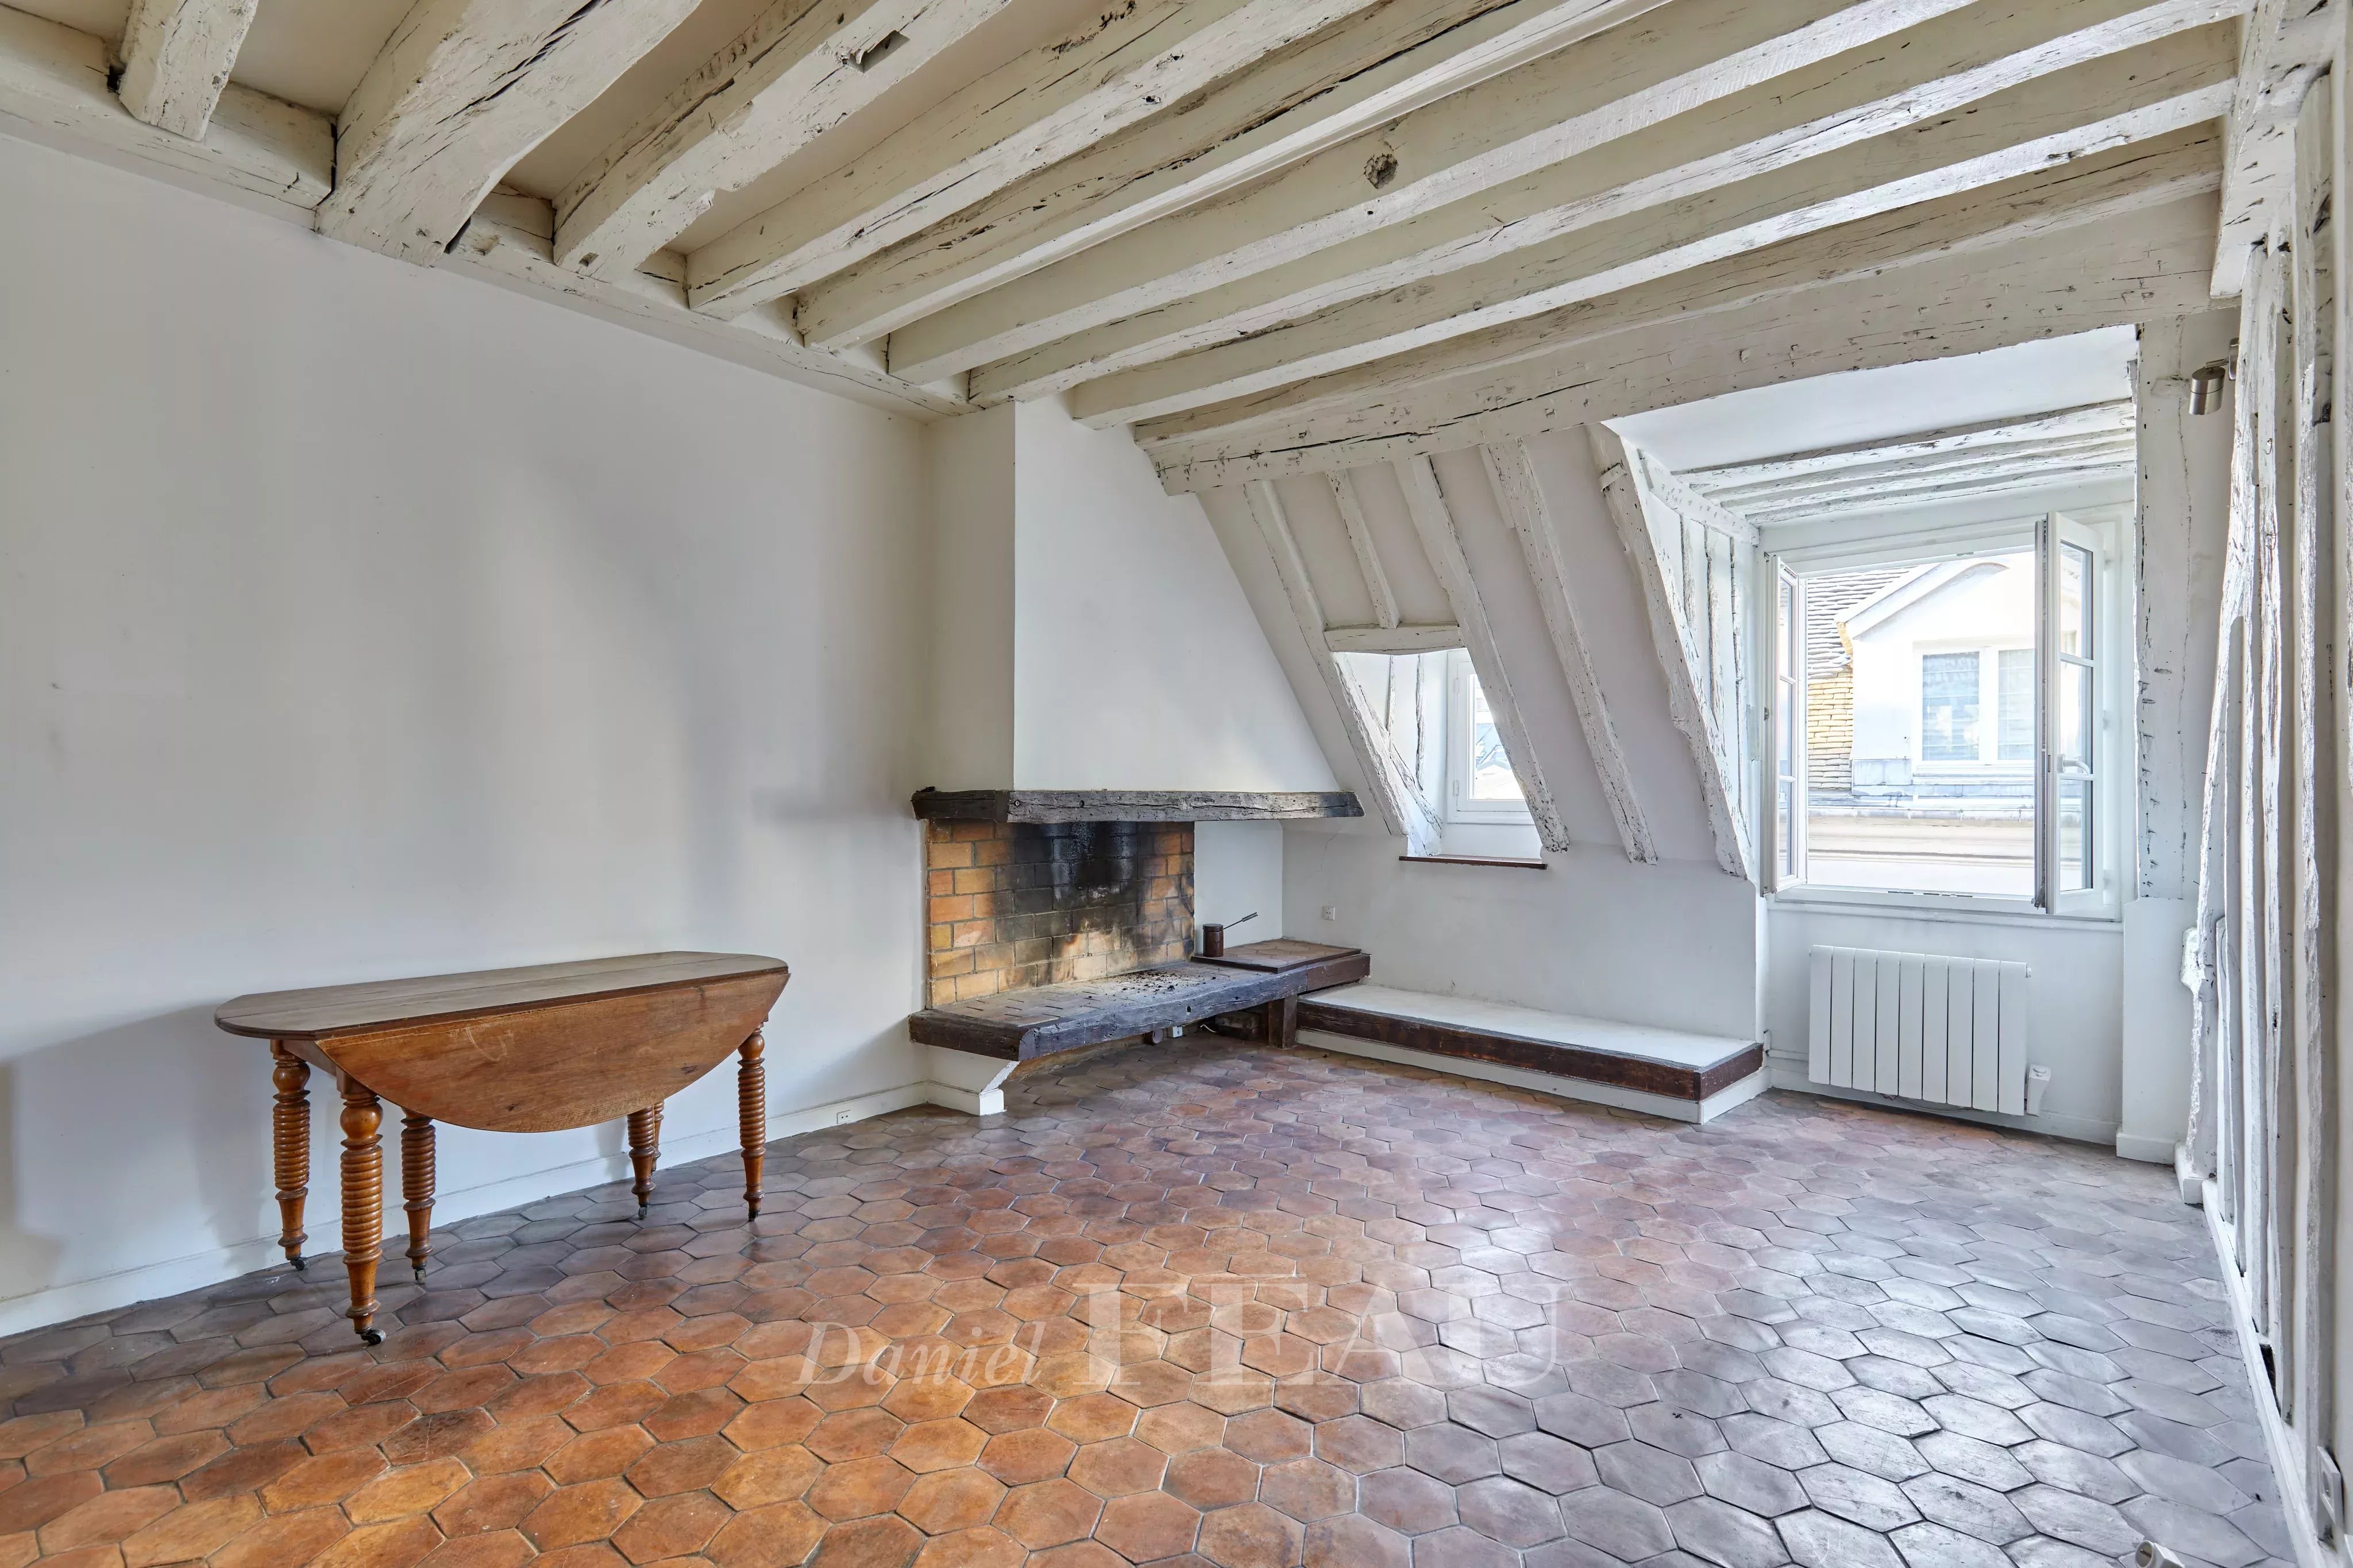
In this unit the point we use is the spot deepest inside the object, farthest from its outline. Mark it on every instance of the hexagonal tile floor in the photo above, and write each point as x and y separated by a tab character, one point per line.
1220	1306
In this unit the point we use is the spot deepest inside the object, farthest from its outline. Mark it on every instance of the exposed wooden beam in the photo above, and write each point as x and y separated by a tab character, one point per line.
1687	704
1694	507
2089	419
1360	540
1527	376
460	92
2174	83
802	69
176	55
1398	800
1411	637
1513	473
510	242
1441	543
1979	464
2117	470
1136	60
1613	86
2284	46
1344	80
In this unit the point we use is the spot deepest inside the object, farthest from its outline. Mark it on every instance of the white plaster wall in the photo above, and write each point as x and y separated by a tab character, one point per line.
1136	662
1673	944
359	620
1237	870
972	569
1988	605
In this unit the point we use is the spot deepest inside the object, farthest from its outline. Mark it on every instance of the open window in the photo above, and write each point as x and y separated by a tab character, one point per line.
1441	727
1937	719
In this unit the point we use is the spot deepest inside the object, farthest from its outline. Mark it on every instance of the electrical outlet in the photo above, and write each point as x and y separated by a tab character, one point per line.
841	1118
1330	911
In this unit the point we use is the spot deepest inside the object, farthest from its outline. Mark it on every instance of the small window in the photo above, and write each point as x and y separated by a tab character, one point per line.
2017	705
1481	786
1448	740
1949	707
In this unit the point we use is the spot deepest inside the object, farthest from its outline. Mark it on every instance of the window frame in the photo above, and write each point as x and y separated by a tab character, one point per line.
2105	531
1459	808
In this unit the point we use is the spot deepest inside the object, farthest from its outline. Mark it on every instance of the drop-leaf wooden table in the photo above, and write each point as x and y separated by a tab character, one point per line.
540	1050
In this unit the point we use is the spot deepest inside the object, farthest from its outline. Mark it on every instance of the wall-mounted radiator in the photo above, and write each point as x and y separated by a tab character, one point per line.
1949	1031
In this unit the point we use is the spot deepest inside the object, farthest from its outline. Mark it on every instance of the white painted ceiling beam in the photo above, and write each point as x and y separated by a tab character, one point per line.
54	81
459	93
1441	543
1052	103
2087	191
1622	488
2091	420
801	70
1369	555
1605	88
176	57
2129	266
1513	473
2175	83
1411	637
1983	463
1392	59
2284	46
1958	488
1808	114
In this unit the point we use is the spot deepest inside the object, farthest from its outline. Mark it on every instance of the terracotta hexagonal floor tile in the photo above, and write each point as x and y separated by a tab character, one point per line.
939	1444
396	1544
854	1435
671	1527
106	1518
1047	1513
770	1475
1144	1527
945	1501
1118	1466
917	1399
888	1542
1031	1454
396	1494
293	1540
1179	1428
494	1503
593	1455
1213	1478
859	1488
1009	1409
1307	1490
1268	1436
981	1548
506	1549
163	1459
1352	1541
191	1530
777	1536
591	1511
1250	1535
771	1422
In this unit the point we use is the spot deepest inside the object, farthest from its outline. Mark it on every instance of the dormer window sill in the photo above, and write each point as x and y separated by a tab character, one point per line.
1474	860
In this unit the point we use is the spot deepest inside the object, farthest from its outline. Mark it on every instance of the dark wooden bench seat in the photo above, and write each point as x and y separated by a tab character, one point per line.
1017	1026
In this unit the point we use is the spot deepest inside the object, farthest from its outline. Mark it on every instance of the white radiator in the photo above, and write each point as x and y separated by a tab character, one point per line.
1948	1031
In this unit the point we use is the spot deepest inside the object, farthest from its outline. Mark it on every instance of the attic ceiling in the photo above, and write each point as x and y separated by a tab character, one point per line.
1272	236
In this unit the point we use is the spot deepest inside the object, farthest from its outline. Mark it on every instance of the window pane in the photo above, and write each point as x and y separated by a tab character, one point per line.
1788	642
1784	819
2074	702
2075	836
2075	600
1900	664
1949	707
1491	771
2016	713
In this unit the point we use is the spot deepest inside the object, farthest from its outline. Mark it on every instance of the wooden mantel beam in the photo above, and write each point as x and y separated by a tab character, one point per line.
176	55
460	92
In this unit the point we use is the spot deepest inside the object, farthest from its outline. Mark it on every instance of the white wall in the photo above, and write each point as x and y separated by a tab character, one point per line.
1237	870
972	573
358	620
1136	662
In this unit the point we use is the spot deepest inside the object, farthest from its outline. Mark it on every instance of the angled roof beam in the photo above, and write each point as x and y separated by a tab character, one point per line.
1433	524
1621	487
2118	470
1323	90
1762	286
802	69
2284	46
1054	102
2090	419
1360	540
2016	457
1402	808
2163	86
176	57
1513	474
459	93
1615	85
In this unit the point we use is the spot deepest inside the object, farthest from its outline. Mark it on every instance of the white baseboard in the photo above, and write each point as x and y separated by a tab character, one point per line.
1790	1073
1544	1082
2149	1150
81	1297
2286	1454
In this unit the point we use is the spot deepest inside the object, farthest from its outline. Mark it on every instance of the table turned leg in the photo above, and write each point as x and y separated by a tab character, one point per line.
645	1152
363	1204
752	1117
417	1188
290	1137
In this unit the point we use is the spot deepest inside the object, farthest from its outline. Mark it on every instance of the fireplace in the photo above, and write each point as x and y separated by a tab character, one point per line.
1013	905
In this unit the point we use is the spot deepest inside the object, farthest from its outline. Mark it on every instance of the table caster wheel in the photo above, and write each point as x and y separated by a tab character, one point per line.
371	1336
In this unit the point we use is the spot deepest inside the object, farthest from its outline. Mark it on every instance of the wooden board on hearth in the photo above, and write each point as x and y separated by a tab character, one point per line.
1277	955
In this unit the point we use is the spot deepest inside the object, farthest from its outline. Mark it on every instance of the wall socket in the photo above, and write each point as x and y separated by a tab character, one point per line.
841	1117
1330	911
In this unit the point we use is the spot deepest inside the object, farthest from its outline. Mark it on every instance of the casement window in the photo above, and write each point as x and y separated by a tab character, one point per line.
1445	737
1480	787
1938	720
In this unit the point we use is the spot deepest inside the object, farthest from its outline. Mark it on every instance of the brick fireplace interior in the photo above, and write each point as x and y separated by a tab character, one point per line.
1011	905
